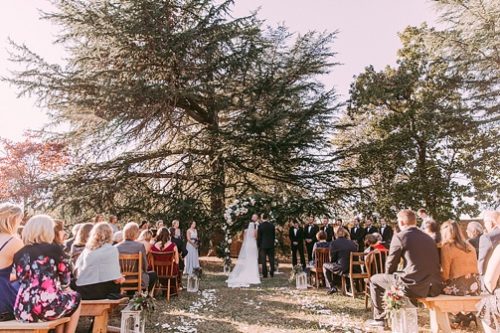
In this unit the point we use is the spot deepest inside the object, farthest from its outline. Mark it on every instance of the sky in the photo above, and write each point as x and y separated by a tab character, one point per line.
367	35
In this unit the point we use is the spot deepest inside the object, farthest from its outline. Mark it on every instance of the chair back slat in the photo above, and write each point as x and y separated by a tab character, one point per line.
321	256
131	268
164	264
357	262
375	262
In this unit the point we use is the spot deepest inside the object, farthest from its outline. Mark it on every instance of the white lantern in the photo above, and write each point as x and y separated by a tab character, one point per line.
405	320
193	283
131	321
301	280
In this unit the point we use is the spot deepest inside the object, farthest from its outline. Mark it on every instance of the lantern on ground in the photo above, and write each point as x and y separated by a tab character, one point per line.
192	283
132	321
301	280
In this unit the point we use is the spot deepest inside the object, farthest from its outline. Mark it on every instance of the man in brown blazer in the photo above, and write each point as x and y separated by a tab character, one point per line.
421	274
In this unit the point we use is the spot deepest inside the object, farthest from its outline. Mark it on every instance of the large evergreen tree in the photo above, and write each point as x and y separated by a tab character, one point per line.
174	102
409	129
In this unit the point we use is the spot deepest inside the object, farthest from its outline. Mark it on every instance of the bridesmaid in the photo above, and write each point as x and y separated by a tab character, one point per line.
10	219
191	262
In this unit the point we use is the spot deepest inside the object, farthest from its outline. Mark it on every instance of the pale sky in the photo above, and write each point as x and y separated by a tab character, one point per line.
367	36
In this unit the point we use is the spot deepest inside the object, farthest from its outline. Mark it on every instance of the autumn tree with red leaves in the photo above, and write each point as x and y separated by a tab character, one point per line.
25	167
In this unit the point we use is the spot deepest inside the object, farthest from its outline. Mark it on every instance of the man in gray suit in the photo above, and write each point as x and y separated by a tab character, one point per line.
421	274
130	246
489	240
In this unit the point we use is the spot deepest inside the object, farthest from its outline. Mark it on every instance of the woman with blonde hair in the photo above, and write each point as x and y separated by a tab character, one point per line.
145	237
81	239
10	219
98	267
44	275
458	262
60	234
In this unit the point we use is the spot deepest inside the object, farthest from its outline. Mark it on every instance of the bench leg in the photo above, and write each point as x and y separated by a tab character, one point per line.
439	321
101	323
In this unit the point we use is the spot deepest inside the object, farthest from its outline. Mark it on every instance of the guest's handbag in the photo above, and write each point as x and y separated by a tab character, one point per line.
467	285
6	316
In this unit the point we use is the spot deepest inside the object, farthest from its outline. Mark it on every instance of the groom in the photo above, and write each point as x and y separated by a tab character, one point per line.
265	242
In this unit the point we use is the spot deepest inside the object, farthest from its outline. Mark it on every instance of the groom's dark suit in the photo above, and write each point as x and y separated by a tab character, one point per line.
265	241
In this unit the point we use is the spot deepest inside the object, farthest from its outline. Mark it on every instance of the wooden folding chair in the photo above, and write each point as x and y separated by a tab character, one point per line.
355	275
164	265
131	267
375	264
321	256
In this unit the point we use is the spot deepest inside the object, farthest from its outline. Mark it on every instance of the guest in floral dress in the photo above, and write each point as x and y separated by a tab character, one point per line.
44	274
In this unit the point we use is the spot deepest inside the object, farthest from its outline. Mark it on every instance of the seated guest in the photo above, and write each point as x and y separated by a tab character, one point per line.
421	274
458	262
60	234
145	225
181	248
488	306
373	243
44	274
431	228
145	237
117	237
80	241
10	219
489	240
340	254
320	244
474	232
68	242
164	244
131	246
97	269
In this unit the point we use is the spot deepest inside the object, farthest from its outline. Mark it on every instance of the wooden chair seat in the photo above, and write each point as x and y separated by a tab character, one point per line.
14	326
439	307
100	310
131	269
321	256
357	274
164	266
375	264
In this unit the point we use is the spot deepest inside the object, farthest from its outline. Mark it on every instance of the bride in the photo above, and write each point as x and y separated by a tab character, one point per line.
246	271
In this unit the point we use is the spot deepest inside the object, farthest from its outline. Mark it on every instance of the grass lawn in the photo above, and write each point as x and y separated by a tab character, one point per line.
274	306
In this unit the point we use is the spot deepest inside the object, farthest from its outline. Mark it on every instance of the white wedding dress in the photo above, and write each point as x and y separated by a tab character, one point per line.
246	271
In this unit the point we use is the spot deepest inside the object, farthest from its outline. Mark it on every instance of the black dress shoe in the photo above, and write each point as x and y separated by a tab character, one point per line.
331	291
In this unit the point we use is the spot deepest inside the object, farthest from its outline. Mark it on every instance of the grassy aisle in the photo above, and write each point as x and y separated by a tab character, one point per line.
274	306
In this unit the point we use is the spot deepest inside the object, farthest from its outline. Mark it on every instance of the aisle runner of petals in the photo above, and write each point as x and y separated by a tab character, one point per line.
205	302
327	321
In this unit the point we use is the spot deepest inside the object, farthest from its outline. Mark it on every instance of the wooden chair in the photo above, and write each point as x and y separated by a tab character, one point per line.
100	311
356	274
131	267
321	256
164	266
375	264
14	326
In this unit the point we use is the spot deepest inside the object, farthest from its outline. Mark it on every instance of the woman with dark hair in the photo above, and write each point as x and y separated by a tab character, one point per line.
181	248
432	229
320	244
164	244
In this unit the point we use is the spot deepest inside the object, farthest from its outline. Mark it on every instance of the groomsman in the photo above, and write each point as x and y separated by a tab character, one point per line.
328	229
296	235
386	232
369	227
310	236
358	234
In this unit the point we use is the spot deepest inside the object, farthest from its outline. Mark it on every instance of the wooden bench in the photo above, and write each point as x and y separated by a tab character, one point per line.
100	310
439	307
14	326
